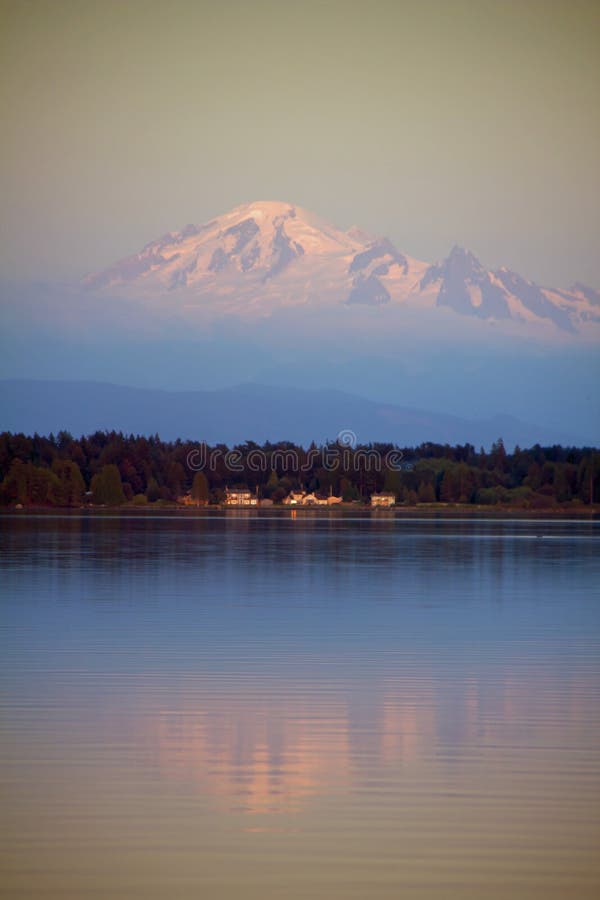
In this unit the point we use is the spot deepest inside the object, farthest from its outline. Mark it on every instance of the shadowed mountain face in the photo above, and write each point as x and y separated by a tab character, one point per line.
467	287
270	294
265	257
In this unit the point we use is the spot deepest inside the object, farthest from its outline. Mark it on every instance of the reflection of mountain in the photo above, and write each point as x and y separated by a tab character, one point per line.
257	753
263	257
270	748
416	701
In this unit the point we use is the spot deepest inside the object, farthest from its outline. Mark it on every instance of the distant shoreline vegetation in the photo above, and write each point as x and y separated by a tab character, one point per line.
111	469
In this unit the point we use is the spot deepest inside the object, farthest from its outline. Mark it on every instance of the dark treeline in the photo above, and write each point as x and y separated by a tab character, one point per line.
109	468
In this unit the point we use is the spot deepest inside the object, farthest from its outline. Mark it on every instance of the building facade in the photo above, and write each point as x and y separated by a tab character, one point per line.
234	497
384	499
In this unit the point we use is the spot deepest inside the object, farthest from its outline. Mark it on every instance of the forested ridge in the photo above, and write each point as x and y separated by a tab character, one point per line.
110	469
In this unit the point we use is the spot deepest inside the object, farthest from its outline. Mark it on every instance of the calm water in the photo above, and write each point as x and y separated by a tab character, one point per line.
310	707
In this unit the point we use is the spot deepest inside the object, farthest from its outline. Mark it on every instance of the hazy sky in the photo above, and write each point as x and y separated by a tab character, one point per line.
431	122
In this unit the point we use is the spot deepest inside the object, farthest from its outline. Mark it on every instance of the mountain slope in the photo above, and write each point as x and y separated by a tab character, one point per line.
266	256
261	257
247	412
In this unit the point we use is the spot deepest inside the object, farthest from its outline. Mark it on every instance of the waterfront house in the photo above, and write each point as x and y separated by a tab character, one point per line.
240	497
384	499
294	498
301	498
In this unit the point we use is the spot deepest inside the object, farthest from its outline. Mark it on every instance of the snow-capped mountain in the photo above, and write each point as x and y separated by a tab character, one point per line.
264	256
461	283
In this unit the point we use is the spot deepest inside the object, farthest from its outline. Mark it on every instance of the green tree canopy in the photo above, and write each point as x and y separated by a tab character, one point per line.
152	490
200	488
71	484
107	489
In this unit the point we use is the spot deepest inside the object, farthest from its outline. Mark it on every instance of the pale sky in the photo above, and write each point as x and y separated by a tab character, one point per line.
433	123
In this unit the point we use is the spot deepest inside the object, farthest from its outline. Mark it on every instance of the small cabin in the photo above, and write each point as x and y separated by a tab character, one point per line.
383	499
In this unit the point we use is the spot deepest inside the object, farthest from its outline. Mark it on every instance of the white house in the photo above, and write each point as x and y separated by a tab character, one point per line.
234	497
301	498
383	499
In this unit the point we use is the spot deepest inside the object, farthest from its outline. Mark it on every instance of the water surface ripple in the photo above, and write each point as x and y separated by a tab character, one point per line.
325	706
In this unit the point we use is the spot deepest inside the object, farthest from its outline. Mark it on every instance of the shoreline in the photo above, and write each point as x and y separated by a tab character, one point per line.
431	511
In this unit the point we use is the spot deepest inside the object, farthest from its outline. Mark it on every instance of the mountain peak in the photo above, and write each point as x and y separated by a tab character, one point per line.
263	209
460	251
267	255
463	259
257	240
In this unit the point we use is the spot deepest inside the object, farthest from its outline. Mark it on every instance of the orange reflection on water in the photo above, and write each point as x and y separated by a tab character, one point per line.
261	755
270	747
403	727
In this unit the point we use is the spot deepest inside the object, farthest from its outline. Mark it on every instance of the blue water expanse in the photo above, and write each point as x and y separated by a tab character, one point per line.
299	705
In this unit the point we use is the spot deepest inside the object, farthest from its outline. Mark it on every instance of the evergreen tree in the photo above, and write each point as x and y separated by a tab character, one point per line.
200	488
426	493
106	486
71	484
153	491
448	490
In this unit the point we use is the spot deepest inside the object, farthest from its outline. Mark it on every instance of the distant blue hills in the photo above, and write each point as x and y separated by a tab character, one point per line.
248	412
464	371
